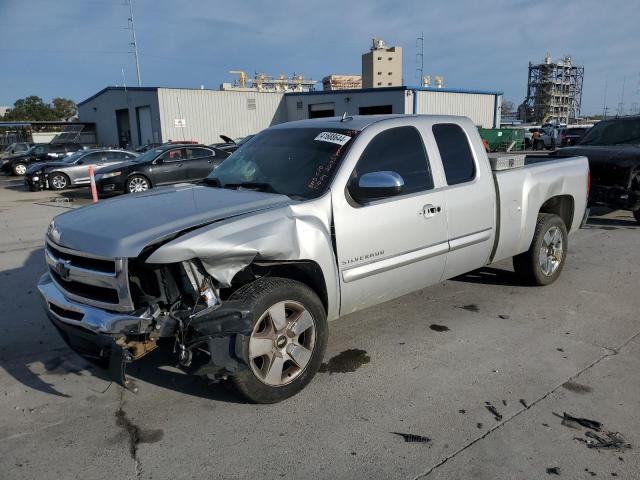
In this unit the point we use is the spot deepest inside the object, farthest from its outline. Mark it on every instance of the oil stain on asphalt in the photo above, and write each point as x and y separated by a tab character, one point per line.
577	387
347	361
470	308
136	434
439	328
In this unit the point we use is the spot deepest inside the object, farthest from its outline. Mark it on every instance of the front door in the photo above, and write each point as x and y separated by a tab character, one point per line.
172	168
389	247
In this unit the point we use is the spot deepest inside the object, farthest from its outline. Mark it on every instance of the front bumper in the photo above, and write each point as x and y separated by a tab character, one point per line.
35	182
95	334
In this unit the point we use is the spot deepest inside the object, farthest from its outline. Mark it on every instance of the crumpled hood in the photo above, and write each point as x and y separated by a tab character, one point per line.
124	226
34	167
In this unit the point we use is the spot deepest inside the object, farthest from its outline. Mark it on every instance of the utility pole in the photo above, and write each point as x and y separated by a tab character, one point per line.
134	43
420	58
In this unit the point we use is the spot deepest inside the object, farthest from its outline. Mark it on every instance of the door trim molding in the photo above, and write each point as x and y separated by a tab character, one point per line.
384	265
389	263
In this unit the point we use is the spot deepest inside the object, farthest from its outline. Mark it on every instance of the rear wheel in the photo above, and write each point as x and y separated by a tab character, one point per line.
138	183
58	181
288	340
19	169
543	262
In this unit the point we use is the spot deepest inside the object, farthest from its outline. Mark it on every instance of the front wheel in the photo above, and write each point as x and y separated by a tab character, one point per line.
287	342
58	181
543	262
138	183
19	169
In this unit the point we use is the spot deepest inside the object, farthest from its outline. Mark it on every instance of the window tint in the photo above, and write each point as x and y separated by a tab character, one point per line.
455	153
193	153
398	150
94	157
174	155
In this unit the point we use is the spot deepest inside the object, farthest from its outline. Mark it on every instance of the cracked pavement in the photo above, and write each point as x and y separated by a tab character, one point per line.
61	418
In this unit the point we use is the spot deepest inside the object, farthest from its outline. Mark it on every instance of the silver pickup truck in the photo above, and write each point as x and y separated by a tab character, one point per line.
306	222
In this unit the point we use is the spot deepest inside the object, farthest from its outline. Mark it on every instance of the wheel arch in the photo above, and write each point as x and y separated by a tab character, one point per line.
306	272
139	174
562	206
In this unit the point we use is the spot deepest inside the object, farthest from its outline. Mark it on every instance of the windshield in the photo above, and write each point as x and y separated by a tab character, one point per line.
148	155
74	157
10	147
298	162
616	132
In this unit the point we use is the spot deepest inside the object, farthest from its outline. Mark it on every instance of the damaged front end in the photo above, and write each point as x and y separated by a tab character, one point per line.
175	306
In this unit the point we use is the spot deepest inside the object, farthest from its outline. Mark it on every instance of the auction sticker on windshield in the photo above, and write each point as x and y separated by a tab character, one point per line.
333	137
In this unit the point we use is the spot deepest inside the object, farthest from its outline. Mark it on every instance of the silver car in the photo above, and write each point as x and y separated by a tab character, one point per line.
73	170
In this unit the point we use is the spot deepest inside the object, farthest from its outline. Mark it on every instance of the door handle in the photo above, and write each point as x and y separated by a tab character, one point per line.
430	210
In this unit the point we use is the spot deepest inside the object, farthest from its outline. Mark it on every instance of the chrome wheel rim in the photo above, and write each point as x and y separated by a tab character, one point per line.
21	169
282	343
59	182
138	185
551	251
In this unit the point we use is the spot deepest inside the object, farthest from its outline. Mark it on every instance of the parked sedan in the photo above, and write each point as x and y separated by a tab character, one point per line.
15	149
17	164
571	135
73	170
160	166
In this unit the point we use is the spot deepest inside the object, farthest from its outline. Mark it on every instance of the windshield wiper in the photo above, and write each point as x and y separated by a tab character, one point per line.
261	186
212	182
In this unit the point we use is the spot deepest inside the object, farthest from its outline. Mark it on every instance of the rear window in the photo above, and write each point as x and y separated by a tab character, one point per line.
455	152
615	132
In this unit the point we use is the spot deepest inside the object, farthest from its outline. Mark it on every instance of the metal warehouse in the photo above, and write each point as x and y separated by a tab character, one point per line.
139	115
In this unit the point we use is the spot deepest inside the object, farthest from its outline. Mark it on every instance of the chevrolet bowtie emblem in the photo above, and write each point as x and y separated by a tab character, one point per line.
62	269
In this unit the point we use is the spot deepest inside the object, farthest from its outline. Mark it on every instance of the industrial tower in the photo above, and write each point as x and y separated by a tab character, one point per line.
554	91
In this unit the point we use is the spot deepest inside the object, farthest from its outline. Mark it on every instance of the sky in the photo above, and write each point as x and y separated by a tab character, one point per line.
74	48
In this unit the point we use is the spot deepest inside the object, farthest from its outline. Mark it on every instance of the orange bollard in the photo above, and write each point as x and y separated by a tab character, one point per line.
94	190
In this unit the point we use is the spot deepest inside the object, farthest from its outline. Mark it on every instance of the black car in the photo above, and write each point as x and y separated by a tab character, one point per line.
160	166
17	164
229	146
613	149
571	135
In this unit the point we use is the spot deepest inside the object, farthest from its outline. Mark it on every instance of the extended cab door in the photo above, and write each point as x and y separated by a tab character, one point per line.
469	196
390	246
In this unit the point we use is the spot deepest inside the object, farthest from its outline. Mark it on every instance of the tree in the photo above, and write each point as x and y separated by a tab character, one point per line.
63	108
33	108
507	107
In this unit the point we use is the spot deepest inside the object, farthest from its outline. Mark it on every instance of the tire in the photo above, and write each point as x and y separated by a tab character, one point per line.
19	169
137	183
276	374
540	264
636	214
58	181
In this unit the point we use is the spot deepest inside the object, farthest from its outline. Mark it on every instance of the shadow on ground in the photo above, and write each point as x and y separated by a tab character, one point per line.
491	276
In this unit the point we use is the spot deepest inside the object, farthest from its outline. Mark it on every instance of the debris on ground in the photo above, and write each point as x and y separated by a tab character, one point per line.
523	402
347	361
603	440
504	402
504	317
576	422
411	438
593	474
462	410
494	411
439	328
479	425
553	471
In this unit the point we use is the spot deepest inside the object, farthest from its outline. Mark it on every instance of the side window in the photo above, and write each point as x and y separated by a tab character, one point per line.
193	153
399	150
173	155
94	157
455	152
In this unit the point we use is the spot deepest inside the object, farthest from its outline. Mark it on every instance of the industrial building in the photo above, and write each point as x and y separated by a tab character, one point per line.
341	82
382	66
554	92
139	115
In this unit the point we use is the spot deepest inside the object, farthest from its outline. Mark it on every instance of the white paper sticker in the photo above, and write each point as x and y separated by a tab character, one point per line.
333	137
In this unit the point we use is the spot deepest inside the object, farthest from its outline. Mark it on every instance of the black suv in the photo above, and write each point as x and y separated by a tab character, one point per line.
17	164
613	149
164	165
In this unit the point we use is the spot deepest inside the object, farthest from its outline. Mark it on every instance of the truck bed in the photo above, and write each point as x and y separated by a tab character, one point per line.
523	185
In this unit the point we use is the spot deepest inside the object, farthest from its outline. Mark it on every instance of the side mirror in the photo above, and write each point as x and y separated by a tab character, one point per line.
376	185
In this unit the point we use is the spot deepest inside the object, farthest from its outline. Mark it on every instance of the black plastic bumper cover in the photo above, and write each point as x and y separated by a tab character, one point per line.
101	350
